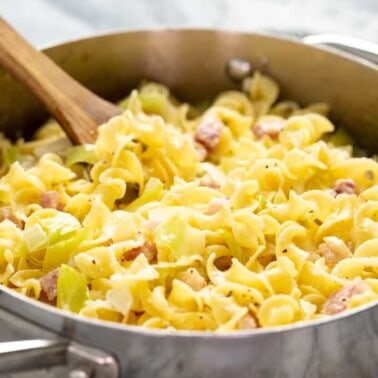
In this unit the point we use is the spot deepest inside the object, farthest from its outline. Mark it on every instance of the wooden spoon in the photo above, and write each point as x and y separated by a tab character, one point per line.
78	110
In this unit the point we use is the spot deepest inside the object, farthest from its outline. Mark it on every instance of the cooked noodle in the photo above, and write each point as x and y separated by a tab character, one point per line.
234	215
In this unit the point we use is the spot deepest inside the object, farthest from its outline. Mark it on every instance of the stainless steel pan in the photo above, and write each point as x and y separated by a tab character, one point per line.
192	63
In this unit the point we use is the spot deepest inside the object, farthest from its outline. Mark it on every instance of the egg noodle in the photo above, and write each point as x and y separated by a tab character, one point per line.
222	216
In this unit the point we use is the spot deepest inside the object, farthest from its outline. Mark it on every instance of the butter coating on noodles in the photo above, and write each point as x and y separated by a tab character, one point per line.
231	215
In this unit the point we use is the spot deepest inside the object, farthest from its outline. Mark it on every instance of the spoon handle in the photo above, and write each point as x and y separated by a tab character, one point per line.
78	110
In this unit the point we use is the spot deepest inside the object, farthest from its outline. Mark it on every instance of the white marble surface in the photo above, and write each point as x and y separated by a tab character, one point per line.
48	21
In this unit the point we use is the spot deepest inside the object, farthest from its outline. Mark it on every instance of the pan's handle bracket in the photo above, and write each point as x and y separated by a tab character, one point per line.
81	361
357	47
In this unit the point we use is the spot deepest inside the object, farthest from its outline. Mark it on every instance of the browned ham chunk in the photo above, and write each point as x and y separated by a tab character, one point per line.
51	200
7	213
151	225
209	131
329	257
215	205
201	151
346	186
270	129
192	278
339	300
49	284
148	249
247	322
334	250
209	182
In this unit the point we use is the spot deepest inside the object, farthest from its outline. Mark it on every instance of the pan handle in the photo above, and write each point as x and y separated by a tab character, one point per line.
82	361
363	49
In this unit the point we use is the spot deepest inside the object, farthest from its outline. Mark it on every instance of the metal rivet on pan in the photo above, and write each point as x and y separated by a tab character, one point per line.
79	373
238	68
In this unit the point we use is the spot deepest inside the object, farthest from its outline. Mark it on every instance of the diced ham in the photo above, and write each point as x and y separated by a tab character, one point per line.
7	213
209	182
334	250
209	131
327	253
346	186
215	205
339	300
331	192
201	151
148	249
270	129
247	322
151	225
51	200
192	278
49	284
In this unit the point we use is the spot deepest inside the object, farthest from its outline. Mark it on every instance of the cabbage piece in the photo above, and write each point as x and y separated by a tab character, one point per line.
72	289
20	250
59	253
153	103
10	154
59	226
340	137
81	154
175	238
58	144
35	238
232	244
50	237
171	238
151	192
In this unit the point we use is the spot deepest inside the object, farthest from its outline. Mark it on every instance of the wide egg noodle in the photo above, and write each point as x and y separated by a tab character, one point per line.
264	227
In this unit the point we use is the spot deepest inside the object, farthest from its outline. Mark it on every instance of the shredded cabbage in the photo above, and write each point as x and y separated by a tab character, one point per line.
152	192
81	154
72	289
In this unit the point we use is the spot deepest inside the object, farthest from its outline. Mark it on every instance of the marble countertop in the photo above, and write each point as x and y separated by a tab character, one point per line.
45	22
